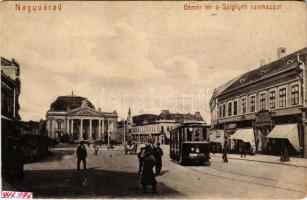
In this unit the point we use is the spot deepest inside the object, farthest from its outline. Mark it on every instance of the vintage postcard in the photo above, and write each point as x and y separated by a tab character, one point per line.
143	99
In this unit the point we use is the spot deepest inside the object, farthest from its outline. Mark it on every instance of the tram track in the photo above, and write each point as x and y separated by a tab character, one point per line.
243	180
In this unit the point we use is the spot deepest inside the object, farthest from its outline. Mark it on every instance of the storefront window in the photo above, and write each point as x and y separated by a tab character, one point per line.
262	101
252	104
294	95
282	97
272	99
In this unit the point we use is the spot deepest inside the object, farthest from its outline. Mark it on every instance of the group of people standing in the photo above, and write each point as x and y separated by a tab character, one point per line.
149	157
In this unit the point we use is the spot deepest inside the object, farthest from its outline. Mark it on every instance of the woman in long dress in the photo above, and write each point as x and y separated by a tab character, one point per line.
148	177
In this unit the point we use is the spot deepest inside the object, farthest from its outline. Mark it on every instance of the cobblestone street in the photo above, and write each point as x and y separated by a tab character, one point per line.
114	174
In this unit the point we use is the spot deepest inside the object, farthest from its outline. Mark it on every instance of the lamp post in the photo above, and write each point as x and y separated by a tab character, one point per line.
124	125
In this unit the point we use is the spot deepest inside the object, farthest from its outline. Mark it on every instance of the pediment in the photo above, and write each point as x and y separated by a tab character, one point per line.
84	112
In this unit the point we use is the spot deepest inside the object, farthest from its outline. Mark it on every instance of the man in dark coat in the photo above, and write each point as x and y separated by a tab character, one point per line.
81	155
148	177
225	151
243	149
140	158
158	153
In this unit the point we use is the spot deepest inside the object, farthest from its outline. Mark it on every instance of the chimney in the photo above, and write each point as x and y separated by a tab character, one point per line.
281	52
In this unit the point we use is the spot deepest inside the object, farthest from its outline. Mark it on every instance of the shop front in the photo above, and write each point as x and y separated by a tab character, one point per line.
216	139
263	126
285	136
245	136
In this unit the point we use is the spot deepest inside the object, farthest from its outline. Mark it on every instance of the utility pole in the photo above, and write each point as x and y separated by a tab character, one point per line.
124	132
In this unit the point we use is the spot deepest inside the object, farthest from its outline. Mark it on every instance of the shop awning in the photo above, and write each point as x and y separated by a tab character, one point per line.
286	131
217	136
246	135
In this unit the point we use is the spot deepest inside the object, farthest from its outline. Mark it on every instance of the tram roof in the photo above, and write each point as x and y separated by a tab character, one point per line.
189	124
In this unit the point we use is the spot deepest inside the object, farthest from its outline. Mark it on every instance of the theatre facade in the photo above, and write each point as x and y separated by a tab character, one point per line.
76	117
265	107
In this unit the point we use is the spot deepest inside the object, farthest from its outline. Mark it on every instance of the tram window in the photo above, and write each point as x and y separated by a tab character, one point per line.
197	135
204	134
183	135
189	134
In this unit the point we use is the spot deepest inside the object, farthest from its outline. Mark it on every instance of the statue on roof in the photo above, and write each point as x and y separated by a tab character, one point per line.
85	104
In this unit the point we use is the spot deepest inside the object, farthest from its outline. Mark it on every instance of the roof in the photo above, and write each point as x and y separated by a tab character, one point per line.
145	118
165	115
267	70
64	103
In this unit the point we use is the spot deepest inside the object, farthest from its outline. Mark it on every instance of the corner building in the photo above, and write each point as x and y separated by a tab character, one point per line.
266	106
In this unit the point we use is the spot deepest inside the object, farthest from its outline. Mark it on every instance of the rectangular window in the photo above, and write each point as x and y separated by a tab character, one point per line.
294	95
262	101
229	109
252	104
221	111
235	108
272	100
282	97
224	110
243	103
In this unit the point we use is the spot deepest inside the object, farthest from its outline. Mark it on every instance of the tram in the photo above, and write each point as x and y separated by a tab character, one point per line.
189	144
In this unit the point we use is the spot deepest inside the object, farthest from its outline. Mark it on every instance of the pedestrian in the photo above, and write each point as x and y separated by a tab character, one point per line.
81	155
140	158
95	149
213	149
225	151
158	153
282	153
243	149
286	154
148	177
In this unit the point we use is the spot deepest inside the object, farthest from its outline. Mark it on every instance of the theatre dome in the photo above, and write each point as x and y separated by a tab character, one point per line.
65	103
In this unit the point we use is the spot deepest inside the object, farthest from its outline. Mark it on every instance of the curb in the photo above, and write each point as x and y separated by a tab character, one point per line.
264	161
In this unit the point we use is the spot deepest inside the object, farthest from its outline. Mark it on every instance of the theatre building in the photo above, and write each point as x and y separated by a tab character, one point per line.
76	117
157	127
265	107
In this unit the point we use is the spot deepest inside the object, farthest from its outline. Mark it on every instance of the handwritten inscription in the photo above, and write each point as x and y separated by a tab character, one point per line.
198	6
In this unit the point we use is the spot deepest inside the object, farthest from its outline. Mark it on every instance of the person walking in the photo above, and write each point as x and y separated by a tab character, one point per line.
140	158
243	149
282	152
81	155
95	149
225	151
148	177
213	149
158	153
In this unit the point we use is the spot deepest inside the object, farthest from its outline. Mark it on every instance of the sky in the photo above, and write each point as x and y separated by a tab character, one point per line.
149	56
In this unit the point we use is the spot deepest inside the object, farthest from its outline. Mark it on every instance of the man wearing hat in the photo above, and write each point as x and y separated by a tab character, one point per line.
158	153
81	155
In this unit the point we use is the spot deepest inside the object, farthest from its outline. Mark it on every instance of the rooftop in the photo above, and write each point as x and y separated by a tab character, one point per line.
267	70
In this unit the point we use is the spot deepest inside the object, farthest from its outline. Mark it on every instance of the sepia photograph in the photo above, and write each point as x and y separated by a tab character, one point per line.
153	100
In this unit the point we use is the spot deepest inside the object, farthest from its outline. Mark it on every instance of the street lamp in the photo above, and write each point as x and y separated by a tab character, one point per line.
124	131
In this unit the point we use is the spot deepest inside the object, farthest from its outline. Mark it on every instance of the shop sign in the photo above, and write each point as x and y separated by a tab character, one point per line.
263	117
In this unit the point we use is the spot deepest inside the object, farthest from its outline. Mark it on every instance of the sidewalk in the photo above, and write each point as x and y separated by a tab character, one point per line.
298	162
